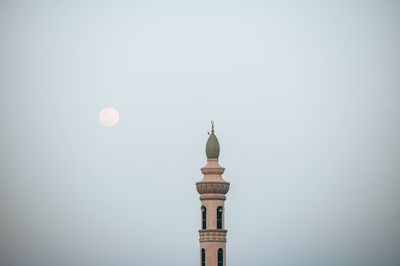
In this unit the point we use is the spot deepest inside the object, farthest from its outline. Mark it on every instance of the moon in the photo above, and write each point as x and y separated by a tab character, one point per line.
109	117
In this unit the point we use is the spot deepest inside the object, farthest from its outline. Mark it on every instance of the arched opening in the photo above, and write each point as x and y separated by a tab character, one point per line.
220	257
219	217
203	257
204	217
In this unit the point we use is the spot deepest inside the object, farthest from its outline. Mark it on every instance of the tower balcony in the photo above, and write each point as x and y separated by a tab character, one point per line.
213	235
210	187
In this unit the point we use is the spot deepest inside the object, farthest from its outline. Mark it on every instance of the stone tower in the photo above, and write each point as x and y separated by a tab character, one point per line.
212	189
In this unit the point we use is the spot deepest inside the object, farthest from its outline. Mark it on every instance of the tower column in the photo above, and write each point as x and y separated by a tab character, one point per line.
212	189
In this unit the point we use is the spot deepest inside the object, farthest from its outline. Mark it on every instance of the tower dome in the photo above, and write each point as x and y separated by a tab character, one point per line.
212	147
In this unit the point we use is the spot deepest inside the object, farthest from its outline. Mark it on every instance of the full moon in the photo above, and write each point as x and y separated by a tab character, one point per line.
109	117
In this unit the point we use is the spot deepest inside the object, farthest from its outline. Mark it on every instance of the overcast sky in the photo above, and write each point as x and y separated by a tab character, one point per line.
306	103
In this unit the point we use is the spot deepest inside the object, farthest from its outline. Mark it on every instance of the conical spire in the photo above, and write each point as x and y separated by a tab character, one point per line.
212	146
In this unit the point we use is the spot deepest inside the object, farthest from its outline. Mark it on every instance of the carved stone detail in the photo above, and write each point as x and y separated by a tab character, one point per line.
212	235
212	187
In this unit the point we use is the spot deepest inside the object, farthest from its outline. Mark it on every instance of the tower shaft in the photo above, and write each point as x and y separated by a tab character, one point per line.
212	189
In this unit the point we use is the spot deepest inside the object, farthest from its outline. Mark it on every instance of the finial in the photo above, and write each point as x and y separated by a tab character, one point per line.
212	128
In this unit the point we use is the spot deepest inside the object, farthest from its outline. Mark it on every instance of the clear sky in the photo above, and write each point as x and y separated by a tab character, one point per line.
305	99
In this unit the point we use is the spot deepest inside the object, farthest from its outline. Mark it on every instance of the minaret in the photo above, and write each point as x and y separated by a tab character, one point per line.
212	189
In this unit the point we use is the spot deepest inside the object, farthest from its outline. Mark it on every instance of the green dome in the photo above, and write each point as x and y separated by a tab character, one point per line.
212	147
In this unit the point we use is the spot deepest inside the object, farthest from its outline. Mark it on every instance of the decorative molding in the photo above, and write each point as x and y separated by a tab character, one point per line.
212	187
212	235
212	197
212	170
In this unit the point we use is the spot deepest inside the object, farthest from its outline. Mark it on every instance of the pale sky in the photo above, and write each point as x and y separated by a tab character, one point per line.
305	99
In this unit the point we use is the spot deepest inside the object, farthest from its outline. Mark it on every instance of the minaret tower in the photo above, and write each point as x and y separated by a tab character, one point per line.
212	189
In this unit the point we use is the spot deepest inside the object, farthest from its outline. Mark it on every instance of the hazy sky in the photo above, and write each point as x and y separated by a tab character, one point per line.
306	103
